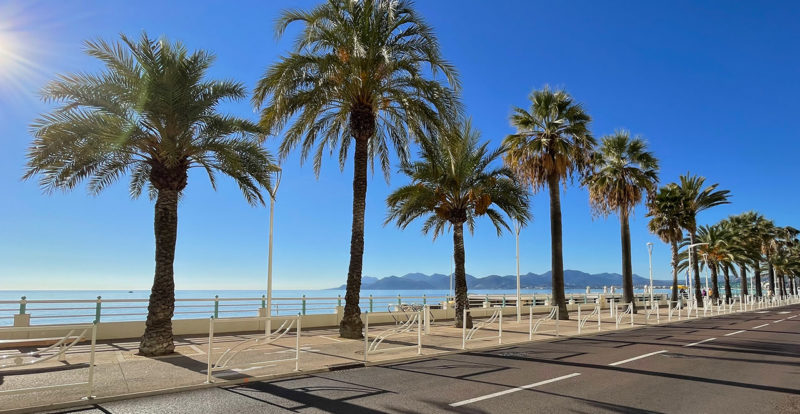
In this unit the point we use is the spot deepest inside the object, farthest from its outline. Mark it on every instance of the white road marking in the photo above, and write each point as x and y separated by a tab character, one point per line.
792	317
760	326
196	349
701	342
779	320
762	312
509	391
332	339
613	364
734	333
784	312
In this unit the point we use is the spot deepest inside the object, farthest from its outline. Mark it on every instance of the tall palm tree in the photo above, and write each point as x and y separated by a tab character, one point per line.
622	172
715	253
359	74
782	259
152	114
763	233
665	212
744	233
552	144
453	184
696	198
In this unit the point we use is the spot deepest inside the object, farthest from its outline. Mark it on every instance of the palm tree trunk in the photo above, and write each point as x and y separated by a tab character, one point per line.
157	338
462	300
351	324
757	275
727	276
743	276
771	278
783	285
627	268
557	260
695	269
714	284
674	246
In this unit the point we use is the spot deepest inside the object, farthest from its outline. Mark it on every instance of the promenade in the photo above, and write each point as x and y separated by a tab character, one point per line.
121	374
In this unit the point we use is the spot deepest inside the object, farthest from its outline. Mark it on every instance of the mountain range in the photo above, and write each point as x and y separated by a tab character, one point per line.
573	279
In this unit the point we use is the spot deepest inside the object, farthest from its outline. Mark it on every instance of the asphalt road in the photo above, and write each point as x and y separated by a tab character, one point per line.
739	363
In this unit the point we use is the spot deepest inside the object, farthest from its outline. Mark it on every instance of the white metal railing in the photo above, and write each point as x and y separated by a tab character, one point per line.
74	335
468	334
583	319
628	311
674	306
533	328
223	362
371	347
652	308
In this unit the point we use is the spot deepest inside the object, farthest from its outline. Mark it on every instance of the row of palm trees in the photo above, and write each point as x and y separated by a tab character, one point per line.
363	75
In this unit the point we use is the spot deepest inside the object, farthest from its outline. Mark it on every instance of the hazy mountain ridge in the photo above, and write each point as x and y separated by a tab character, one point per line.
573	279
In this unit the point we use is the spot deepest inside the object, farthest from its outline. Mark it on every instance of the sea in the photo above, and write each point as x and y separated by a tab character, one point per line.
80	306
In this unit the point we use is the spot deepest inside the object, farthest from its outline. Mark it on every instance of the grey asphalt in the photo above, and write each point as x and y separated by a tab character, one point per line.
752	365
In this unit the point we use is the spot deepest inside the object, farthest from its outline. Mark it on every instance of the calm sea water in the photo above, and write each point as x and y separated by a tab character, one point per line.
123	305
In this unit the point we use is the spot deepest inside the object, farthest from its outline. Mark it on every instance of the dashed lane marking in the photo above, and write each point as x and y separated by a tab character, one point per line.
760	326
613	364
509	391
700	342
734	333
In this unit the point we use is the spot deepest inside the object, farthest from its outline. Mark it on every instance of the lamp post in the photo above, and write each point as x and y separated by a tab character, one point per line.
705	259
272	192
650	253
691	271
519	296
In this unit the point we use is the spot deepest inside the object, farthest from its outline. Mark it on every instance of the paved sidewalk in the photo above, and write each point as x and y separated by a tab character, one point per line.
120	372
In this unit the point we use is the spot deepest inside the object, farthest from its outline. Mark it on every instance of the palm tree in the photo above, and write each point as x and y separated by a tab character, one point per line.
151	114
552	144
357	75
696	199
665	212
745	242
623	171
453	184
763	233
782	258
715	253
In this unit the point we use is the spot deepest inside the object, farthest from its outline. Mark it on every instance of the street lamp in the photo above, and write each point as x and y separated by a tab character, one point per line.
650	252
519	297
272	192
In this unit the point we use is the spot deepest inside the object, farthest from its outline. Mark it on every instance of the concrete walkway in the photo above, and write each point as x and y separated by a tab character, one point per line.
120	373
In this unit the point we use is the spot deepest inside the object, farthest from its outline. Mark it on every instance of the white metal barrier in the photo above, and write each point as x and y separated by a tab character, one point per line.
74	335
583	319
414	320
673	309
534	327
652	308
469	335
223	362
628	311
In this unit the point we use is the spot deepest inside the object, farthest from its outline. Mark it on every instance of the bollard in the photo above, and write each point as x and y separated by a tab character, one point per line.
370	303
22	304
97	310
304	305
216	306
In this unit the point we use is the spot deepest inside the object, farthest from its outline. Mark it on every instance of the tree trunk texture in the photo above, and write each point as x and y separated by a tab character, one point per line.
726	275
757	275
557	260
462	299
743	276
782	285
157	338
698	295
674	246
627	268
714	284
362	123
771	271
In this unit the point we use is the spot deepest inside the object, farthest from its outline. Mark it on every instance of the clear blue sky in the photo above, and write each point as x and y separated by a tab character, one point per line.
713	86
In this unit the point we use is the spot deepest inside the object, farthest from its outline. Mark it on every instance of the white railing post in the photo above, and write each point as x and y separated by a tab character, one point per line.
599	316
631	308
530	323
464	329
419	328
500	328
89	396
297	345
579	319
209	378
366	335
558	310
616	319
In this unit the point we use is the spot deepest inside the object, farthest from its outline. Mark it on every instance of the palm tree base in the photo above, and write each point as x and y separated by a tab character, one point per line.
157	341
460	322
351	327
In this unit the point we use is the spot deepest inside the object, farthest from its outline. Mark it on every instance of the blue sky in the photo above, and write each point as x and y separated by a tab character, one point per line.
713	87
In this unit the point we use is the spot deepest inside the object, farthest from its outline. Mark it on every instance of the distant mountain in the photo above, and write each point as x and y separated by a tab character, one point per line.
573	279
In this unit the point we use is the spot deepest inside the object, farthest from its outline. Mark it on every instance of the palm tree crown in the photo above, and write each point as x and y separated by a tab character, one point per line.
453	184
150	114
359	74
